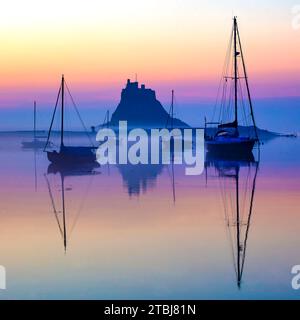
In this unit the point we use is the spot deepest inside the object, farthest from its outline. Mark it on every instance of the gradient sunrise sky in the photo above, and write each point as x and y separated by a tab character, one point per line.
170	44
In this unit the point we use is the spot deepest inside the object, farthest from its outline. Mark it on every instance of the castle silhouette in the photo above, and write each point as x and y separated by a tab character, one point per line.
140	108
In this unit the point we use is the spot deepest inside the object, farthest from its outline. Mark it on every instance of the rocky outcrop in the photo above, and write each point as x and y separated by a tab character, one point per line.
140	108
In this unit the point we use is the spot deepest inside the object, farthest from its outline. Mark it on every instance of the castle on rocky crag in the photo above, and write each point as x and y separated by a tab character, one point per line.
140	108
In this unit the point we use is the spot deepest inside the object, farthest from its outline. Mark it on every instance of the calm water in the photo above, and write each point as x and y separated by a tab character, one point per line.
150	231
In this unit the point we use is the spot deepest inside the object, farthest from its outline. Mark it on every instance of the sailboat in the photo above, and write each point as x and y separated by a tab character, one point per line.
36	143
227	139
106	120
105	124
68	154
170	119
238	203
175	138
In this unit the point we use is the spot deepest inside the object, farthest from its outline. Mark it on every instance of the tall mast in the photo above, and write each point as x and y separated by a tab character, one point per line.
64	211
238	228
249	217
172	109
62	111
173	181
34	119
235	70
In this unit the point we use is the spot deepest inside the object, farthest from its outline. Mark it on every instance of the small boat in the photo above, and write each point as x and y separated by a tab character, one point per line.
36	143
170	144
68	155
105	124
227	139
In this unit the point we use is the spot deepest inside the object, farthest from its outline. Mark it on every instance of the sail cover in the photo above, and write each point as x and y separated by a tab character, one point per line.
228	125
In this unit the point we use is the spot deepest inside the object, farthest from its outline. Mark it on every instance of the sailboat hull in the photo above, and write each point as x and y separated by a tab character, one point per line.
232	147
72	155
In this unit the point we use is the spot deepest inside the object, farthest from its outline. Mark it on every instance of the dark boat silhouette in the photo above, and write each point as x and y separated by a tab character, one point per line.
237	213
227	139
36	143
77	169
68	154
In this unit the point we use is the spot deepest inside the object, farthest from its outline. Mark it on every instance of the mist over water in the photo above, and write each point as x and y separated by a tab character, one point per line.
148	231
279	115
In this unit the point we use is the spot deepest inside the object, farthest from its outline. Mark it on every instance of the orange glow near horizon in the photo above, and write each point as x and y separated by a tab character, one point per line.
98	45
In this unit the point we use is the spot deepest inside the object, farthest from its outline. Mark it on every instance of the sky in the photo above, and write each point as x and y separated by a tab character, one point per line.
169	44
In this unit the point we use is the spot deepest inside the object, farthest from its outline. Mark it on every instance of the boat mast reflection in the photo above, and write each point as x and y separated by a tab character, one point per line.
64	172
237	179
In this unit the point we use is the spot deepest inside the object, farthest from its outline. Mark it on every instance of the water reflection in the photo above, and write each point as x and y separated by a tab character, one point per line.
188	238
64	172
139	178
237	179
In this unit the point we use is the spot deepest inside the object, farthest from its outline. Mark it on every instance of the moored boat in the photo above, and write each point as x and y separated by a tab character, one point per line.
226	138
68	154
36	143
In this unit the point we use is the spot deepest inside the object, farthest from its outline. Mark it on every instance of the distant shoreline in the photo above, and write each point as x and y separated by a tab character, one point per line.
263	133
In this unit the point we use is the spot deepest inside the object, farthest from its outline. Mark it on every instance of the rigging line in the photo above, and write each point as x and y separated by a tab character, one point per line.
223	101
232	206
223	197
233	251
228	104
225	85
53	206
247	84
242	103
230	240
223	109
228	186
81	205
78	114
52	120
229	228
245	192
249	218
224	71
227	221
228	199
224	201
246	184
